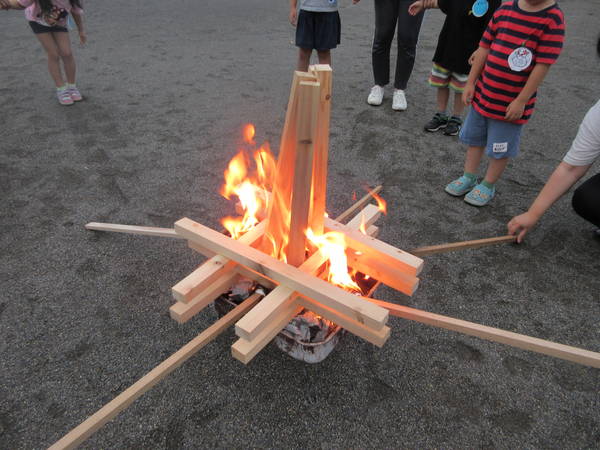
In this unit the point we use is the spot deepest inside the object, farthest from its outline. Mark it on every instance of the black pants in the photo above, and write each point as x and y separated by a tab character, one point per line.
388	13
586	200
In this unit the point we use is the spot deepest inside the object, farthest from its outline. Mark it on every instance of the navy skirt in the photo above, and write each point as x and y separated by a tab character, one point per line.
318	30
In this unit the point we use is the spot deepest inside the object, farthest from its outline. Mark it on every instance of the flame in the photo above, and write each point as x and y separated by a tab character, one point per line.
333	247
251	190
381	203
362	228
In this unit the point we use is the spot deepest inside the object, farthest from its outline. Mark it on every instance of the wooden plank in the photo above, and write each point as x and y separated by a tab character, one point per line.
283	273
386	253
213	268
281	198
321	149
358	205
244	350
373	231
182	312
573	354
108	412
133	229
308	104
431	249
262	314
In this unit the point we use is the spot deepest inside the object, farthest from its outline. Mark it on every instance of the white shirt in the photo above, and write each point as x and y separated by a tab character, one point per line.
586	146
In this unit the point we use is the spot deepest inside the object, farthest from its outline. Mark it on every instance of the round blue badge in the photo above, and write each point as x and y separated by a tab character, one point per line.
480	7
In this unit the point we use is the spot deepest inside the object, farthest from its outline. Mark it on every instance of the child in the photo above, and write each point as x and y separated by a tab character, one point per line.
317	27
48	21
520	43
465	23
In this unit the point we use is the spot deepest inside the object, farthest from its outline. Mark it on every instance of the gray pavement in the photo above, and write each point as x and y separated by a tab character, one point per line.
168	86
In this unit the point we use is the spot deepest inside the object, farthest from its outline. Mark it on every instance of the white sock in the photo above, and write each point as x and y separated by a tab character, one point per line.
70	86
62	88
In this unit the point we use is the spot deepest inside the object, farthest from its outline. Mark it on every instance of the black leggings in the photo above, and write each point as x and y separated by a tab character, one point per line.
388	14
586	200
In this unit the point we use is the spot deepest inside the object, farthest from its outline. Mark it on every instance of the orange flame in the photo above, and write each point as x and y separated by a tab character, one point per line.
333	247
251	190
363	227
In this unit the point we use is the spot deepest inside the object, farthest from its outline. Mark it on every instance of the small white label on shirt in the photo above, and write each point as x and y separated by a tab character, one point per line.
520	59
500	147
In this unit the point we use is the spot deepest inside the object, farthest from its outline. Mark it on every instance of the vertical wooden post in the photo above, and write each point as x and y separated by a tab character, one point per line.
306	127
321	148
278	214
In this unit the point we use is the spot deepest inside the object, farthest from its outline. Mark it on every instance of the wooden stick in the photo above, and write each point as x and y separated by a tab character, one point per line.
574	354
359	204
283	273
208	272
375	248
321	149
93	423
431	249
133	229
308	104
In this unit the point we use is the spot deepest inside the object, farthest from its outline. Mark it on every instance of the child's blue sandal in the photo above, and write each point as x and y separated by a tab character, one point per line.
461	186
480	195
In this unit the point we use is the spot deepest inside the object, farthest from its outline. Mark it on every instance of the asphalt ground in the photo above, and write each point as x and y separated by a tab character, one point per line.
168	86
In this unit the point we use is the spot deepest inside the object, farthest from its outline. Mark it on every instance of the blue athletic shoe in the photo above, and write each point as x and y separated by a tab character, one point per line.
461	186
480	195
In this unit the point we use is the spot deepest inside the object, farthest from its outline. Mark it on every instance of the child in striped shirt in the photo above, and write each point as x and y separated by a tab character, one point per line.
523	39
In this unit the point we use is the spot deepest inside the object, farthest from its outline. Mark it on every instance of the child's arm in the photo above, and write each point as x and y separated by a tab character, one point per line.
78	18
479	58
517	106
293	12
10	4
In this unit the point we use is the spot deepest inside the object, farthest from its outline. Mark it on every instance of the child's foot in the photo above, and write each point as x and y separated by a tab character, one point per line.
375	96
399	100
74	93
461	185
63	96
453	127
480	195
439	121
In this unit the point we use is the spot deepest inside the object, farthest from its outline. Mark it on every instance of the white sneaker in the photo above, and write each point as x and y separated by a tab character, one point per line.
375	96
399	100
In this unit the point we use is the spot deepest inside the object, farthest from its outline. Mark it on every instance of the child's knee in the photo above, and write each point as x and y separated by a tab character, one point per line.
64	54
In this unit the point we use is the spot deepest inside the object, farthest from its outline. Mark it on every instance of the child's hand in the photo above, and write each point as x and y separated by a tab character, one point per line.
520	225
293	16
468	93
515	110
4	4
416	7
82	37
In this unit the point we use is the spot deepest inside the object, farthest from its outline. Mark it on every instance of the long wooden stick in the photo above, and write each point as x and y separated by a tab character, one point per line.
133	229
574	354
358	205
431	249
124	399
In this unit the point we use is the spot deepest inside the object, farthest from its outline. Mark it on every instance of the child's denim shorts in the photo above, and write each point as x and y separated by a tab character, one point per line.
500	139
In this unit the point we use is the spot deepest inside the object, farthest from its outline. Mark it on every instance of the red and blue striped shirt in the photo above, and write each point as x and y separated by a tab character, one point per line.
542	32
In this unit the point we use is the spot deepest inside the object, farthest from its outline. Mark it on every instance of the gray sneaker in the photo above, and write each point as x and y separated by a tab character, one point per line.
438	122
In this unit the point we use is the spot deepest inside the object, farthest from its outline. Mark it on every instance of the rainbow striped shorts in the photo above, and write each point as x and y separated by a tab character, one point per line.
441	77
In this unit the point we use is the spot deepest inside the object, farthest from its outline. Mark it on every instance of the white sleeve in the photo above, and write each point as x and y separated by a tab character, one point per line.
586	146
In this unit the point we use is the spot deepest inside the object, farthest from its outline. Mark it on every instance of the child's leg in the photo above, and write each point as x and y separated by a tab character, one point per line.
64	49
473	159
443	94
458	107
51	49
324	56
304	59
495	169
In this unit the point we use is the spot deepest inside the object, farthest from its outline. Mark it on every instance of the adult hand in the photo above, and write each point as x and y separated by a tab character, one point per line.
416	7
82	37
515	110
521	224
293	16
468	93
